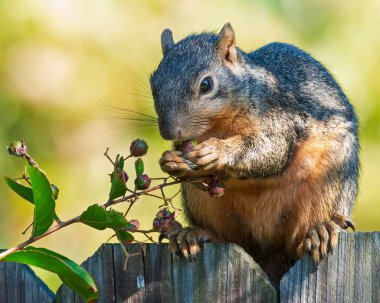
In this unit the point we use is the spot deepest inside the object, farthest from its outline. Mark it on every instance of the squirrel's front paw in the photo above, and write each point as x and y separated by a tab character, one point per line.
324	237
174	164
188	241
207	154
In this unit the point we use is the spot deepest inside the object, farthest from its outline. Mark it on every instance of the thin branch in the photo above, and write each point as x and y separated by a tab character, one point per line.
108	157
34	239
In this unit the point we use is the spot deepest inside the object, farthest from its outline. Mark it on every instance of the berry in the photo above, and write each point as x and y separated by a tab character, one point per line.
142	182
123	176
216	188
134	224
163	220
186	146
138	148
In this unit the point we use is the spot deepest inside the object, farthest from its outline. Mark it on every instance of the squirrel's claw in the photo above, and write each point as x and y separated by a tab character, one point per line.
343	221
323	238
173	163
206	154
188	242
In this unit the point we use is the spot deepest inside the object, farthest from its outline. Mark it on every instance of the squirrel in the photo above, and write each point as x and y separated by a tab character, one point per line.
277	125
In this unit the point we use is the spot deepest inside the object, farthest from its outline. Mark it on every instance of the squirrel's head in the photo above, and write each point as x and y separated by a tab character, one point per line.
193	85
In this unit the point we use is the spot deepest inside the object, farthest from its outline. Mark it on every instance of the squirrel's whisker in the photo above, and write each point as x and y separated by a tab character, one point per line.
135	94
138	78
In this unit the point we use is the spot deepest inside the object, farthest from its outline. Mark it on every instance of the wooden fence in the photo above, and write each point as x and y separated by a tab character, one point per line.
222	273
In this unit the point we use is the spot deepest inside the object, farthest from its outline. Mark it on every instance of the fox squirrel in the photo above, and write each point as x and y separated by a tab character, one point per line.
278	126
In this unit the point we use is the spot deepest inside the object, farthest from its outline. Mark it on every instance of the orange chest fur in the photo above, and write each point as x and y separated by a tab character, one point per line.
276	210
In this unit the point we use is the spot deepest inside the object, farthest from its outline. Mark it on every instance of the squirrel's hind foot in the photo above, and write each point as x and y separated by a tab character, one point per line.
323	238
189	241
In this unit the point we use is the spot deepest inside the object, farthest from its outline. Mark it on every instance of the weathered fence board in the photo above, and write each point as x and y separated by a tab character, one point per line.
18	283
222	273
350	274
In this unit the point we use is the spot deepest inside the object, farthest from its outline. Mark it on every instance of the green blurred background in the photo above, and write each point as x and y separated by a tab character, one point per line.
65	63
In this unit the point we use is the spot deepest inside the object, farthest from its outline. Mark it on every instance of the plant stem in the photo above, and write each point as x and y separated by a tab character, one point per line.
77	219
34	239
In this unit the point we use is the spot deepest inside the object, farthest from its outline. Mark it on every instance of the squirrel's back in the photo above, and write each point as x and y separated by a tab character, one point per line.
311	84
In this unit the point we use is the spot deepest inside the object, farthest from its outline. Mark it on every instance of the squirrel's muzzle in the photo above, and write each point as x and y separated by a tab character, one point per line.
173	131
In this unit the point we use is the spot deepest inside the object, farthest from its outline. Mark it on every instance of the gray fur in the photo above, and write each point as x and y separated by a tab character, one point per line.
280	85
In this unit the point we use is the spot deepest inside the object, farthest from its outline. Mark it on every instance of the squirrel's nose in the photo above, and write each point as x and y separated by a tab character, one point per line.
171	133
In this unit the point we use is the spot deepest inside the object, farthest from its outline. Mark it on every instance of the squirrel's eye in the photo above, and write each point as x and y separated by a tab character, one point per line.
206	85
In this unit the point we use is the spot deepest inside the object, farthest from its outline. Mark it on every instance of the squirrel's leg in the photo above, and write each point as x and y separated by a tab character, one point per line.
324	237
244	156
256	154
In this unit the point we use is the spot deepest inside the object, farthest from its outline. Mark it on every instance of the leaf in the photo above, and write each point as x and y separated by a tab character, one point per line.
72	274
139	167
44	203
118	187
100	218
23	191
121	163
124	236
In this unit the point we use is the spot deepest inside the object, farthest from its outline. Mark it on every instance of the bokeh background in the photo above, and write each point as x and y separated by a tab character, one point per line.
66	64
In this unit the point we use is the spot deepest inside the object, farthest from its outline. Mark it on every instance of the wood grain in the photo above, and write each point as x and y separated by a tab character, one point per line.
350	274
221	273
18	283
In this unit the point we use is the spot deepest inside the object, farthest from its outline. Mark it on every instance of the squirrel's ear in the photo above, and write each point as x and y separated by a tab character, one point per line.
166	40
226	44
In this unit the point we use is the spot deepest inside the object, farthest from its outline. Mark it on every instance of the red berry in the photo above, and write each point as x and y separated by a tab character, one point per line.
123	176
134	224
163	220
138	148
186	146
216	188
142	182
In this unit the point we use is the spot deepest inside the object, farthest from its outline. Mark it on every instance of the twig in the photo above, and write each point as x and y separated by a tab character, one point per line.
63	224
26	229
34	239
108	157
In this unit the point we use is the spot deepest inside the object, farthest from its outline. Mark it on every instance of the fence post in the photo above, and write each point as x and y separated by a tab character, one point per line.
221	273
350	274
18	283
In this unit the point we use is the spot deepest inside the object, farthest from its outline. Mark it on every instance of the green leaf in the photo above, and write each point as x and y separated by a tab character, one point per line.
139	167
44	210
100	218
124	236
121	163
75	276
118	187
23	191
